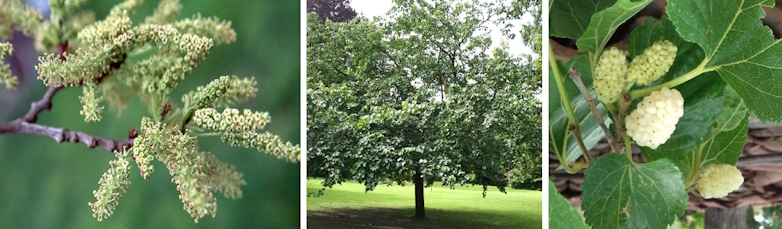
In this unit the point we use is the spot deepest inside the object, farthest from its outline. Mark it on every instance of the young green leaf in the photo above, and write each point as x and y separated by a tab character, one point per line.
737	46
572	17
560	213
605	22
618	193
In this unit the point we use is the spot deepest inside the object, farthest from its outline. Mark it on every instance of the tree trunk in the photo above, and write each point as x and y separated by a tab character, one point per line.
727	218
419	195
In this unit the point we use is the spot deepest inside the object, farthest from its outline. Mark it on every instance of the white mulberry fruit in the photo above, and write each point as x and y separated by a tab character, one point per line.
610	75
717	180
655	118
653	63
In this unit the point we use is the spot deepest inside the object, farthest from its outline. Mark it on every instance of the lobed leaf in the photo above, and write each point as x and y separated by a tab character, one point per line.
737	46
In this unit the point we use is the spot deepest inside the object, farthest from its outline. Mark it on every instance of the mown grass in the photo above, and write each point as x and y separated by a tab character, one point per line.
348	206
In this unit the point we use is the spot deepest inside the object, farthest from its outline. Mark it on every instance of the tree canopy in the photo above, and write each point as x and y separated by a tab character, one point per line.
420	95
334	10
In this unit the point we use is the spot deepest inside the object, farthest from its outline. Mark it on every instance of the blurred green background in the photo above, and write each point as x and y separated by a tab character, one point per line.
47	185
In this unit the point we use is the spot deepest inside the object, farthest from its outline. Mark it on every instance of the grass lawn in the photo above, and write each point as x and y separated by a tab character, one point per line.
348	206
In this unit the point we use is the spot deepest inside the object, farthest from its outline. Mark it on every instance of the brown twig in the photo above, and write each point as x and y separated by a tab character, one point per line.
44	104
576	77
64	135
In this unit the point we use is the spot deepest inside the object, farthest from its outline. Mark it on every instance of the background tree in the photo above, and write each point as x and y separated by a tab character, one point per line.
334	10
54	180
419	96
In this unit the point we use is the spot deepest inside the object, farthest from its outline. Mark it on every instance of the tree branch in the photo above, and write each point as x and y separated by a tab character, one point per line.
64	135
27	125
44	104
576	77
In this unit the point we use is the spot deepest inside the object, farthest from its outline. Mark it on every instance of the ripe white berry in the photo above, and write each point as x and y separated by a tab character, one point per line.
655	118
653	63
610	75
717	180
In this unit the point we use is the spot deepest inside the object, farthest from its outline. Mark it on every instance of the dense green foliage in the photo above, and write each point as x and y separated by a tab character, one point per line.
52	182
725	67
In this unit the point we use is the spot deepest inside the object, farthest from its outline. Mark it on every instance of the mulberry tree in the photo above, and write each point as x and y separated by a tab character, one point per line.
112	59
420	96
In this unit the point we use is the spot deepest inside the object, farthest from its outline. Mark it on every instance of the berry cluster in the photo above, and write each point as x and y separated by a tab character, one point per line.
655	118
717	180
610	74
653	63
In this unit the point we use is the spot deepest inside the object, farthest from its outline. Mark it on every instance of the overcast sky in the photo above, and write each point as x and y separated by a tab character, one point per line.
372	8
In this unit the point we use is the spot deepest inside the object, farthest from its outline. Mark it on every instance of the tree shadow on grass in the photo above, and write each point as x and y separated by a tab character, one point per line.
395	218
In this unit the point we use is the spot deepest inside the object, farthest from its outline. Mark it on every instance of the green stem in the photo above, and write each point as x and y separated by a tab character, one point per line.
573	128
610	106
141	51
675	82
561	88
211	134
695	167
576	167
628	147
154	108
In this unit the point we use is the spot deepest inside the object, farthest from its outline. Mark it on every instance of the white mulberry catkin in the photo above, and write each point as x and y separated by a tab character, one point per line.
610	74
653	63
655	118
717	180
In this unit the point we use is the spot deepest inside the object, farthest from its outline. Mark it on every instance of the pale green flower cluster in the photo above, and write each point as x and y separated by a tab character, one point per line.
65	7
150	139
93	62
236	90
9	80
239	90
106	30
165	13
220	31
129	6
267	142
112	186
231	120
223	177
206	96
91	109
185	165
196	173
14	16
718	180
